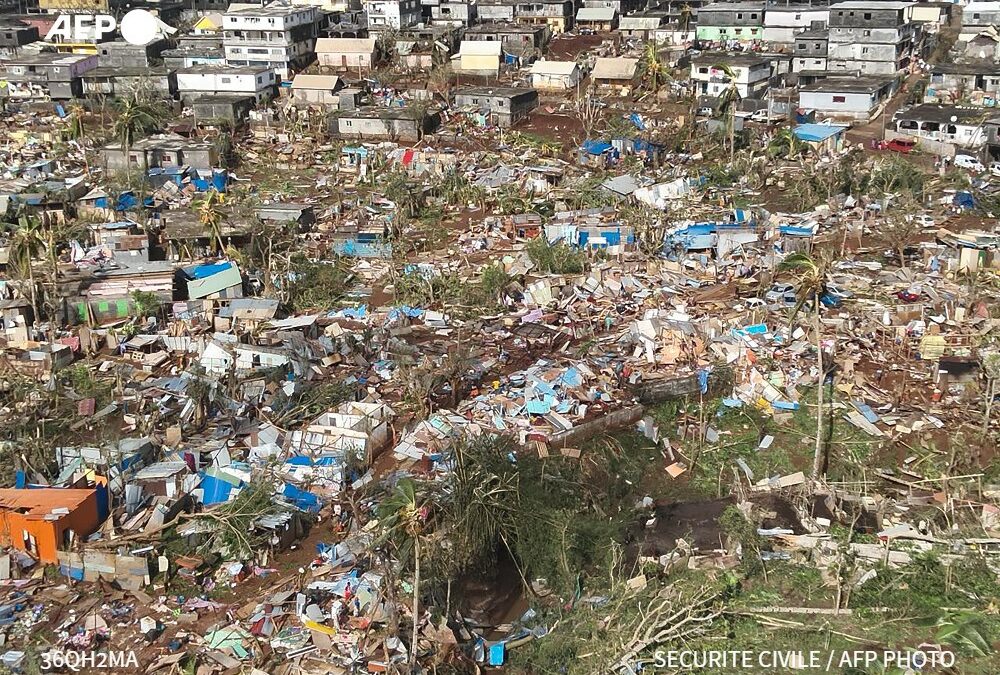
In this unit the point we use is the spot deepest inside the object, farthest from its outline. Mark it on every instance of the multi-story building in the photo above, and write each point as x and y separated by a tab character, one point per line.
454	12
497	11
725	21
47	74
258	82
391	14
783	22
623	7
277	36
556	14
810	50
14	35
870	38
750	74
511	35
977	17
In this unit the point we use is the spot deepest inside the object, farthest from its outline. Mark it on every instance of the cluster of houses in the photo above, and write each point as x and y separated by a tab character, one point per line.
835	62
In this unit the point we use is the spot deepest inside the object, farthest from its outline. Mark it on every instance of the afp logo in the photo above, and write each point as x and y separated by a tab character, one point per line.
138	27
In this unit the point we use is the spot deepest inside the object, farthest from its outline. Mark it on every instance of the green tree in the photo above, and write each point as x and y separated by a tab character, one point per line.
28	242
135	119
654	70
405	518
787	145
210	216
729	99
810	274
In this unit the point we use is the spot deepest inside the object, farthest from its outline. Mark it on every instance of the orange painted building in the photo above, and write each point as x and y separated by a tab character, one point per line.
38	521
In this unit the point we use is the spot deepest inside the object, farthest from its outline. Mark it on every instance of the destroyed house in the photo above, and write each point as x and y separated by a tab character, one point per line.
47	74
501	106
510	35
590	228
169	479
14	35
382	123
160	151
124	82
977	81
43	521
361	428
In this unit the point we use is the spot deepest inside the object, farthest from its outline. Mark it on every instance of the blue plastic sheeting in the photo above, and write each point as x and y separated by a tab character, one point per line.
204	271
964	200
215	491
299	460
596	147
636	119
126	201
497	654
703	380
303	500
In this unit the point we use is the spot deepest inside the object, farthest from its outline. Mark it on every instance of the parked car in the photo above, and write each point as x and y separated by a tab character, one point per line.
901	145
969	162
995	168
781	294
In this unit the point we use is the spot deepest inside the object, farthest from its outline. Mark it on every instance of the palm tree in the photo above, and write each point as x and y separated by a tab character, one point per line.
210	217
787	145
27	243
810	273
652	66
685	20
405	517
135	118
729	99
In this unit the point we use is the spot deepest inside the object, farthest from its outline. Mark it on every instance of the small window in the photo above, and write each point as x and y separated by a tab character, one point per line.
818	62
227	80
738	31
868	16
867	33
703	70
839	99
753	16
739	15
975	16
800	46
798	16
348	123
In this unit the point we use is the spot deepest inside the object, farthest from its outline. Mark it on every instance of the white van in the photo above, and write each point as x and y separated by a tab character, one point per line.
969	162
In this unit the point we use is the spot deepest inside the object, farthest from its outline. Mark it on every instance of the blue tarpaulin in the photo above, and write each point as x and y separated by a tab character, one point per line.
596	147
205	271
306	501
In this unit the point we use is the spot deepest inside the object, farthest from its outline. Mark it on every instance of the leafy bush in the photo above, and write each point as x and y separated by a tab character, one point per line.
555	258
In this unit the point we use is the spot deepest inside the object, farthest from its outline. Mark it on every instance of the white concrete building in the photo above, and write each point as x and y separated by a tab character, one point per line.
386	14
751	74
783	22
555	75
259	82
278	36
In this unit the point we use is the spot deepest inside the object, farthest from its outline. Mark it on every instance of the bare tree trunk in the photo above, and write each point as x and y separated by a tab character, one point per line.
818	456
416	598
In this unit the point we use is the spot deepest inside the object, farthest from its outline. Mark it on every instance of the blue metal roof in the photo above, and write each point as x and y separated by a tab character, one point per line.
817	132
